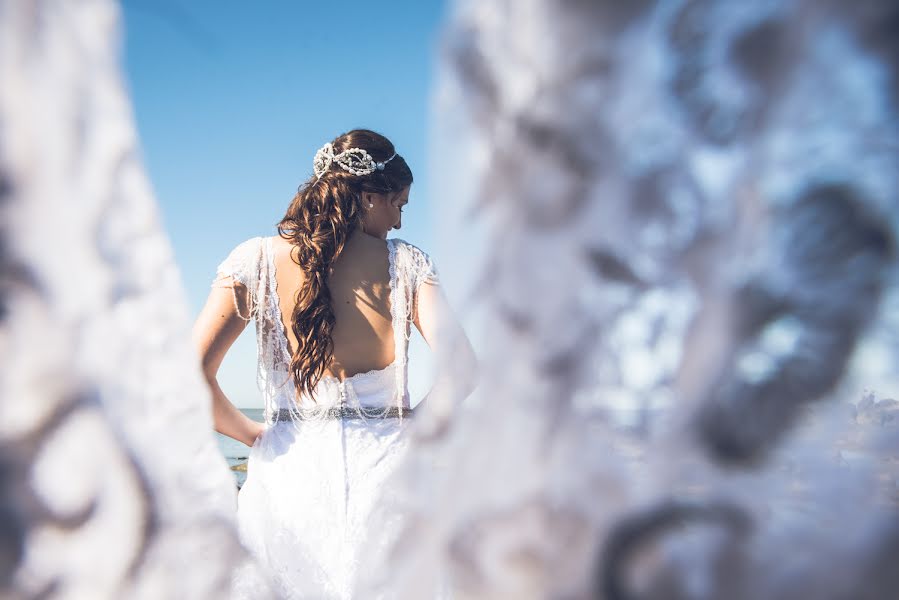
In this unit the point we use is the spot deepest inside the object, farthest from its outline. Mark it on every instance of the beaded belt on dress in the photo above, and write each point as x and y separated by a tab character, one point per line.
343	412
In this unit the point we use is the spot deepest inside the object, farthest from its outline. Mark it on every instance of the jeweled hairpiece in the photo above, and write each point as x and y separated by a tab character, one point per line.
355	160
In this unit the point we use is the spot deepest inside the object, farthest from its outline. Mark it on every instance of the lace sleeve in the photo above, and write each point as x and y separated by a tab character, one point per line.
424	268
242	266
418	268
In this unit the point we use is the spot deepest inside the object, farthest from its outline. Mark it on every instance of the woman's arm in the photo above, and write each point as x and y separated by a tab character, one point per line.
215	330
457	365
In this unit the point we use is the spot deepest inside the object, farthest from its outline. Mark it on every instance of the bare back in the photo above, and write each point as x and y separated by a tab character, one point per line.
360	297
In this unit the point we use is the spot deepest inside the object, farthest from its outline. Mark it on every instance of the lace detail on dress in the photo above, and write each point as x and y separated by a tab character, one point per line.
275	306
272	338
397	311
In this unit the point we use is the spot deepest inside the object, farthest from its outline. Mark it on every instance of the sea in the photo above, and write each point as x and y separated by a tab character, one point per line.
236	452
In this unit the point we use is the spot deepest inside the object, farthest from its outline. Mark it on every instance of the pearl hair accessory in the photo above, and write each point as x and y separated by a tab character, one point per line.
355	160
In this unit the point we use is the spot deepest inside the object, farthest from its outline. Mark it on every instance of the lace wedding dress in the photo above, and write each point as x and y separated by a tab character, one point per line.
315	473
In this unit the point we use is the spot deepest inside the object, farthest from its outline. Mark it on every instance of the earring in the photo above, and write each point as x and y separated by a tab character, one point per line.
370	205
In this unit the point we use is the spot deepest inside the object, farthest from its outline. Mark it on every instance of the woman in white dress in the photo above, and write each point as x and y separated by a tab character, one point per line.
333	302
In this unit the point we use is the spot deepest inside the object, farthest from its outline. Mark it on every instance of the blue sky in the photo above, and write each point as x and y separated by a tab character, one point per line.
231	101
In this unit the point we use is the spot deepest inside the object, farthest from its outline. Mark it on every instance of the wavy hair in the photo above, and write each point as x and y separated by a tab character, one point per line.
318	222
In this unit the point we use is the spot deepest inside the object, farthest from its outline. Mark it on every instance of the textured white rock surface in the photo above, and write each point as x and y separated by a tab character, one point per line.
675	225
113	486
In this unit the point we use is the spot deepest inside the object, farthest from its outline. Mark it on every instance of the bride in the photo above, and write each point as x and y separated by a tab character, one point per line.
333	300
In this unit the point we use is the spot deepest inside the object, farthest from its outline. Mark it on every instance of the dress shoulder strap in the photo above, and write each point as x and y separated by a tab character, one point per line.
397	317
410	267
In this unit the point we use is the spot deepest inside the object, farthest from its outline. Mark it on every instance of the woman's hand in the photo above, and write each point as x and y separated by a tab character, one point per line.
259	430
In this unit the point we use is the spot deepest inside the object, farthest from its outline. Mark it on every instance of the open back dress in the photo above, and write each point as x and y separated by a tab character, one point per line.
315	473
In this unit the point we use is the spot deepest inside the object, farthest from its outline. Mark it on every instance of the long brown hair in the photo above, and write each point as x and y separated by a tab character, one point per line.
318	223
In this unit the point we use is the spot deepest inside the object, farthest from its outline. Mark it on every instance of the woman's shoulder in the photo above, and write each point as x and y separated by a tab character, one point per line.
277	241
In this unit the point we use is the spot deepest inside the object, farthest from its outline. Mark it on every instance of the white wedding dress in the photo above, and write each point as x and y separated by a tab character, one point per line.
312	479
